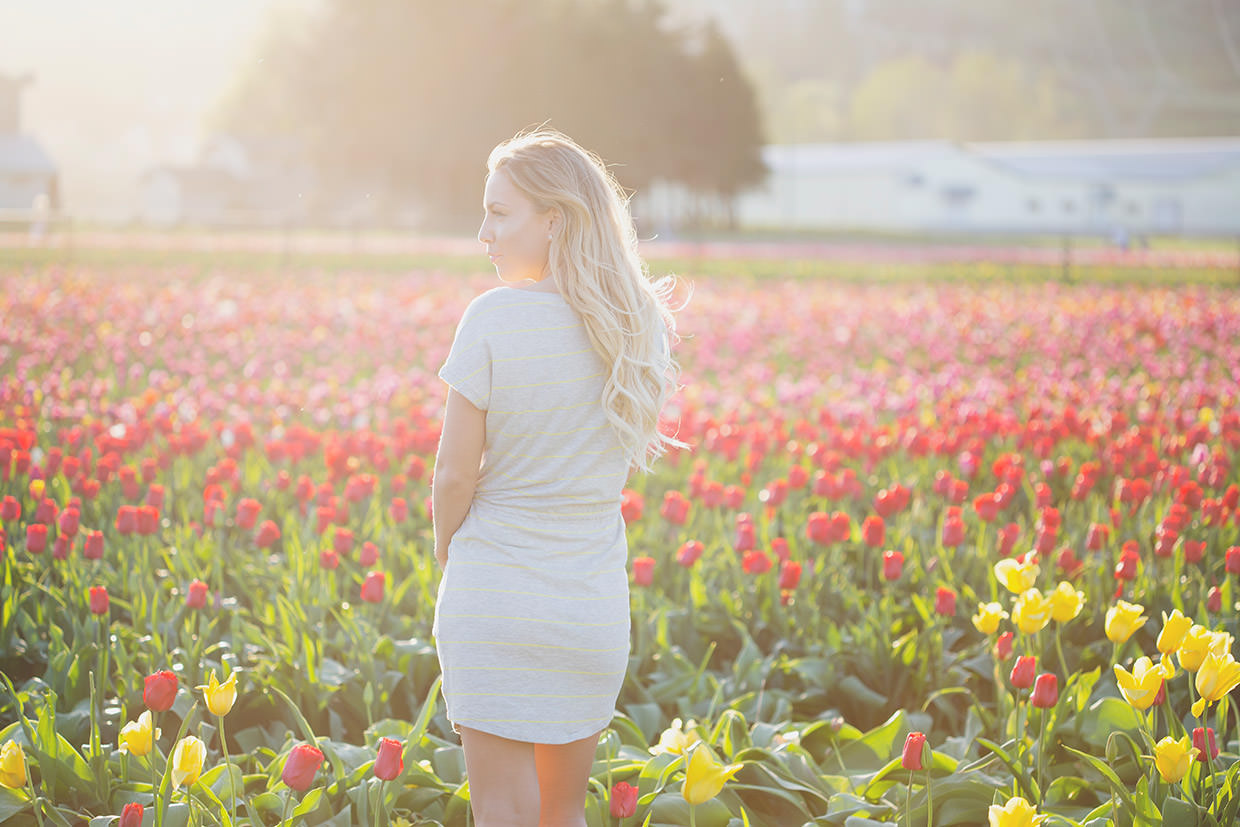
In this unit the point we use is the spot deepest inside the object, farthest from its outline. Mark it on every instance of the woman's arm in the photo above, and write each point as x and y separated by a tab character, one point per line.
456	469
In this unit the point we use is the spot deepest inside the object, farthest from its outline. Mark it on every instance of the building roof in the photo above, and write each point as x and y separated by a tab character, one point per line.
22	153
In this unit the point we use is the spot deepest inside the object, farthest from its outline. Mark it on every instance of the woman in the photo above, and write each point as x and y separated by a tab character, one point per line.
555	382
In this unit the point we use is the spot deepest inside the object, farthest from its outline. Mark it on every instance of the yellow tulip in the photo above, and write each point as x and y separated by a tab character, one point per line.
1017	578
1220	643
1218	675
1123	619
1194	646
137	737
1175	628
1173	758
12	766
1066	602
705	776
675	739
220	696
1016	813
1140	687
987	618
187	759
1032	611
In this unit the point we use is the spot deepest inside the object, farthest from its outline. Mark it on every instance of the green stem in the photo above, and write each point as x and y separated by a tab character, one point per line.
288	800
232	782
908	802
929	799
692	815
1041	762
35	801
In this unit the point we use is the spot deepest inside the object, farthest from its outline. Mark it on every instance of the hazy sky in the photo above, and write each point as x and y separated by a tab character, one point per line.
123	85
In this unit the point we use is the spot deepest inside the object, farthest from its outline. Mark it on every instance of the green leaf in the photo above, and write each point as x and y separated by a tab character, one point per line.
1117	786
309	802
12	802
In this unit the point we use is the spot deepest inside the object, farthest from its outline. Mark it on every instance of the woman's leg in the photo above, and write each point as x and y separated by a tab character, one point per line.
563	778
503	780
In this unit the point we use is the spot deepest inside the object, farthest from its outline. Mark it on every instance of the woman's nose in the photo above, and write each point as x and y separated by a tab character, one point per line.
484	233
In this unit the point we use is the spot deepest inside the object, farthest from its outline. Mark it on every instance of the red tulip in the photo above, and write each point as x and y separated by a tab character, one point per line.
99	600
643	571
148	520
1008	535
986	506
631	506
300	767
372	587
399	510
10	509
1203	739
873	531
369	555
196	595
268	533
160	690
92	546
1214	600
342	541
36	538
623	800
756	562
945	602
789	574
914	747
953	533
689	553
247	513
675	508
62	547
818	528
1232	558
46	511
1126	568
69	522
1194	550
1045	691
131	816
390	762
1023	672
779	547
329	559
893	565
1003	646
1097	536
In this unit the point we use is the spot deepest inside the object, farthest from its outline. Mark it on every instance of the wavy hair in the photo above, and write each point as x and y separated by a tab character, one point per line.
593	257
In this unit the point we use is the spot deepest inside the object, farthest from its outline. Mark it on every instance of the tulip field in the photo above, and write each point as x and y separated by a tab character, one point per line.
947	552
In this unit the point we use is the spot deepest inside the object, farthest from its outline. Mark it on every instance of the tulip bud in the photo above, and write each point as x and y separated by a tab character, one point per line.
893	565
789	574
1003	646
945	602
1202	737
623	800
914	746
99	600
1023	672
196	595
160	690
643	571
300	766
390	762
1045	691
131	816
372	588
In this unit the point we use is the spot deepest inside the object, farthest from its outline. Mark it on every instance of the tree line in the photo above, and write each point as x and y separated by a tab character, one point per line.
398	102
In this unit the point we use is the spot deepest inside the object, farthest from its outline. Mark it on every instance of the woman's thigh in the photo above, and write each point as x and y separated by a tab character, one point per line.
503	780
563	779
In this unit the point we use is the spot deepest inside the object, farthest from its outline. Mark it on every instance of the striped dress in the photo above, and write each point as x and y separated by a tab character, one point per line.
532	618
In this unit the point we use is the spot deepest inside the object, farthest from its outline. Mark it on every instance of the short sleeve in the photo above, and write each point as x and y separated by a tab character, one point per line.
468	366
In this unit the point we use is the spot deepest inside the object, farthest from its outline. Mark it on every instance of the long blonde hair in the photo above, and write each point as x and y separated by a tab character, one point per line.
593	257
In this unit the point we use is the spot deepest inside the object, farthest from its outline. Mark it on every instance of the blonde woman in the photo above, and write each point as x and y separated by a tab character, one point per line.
556	382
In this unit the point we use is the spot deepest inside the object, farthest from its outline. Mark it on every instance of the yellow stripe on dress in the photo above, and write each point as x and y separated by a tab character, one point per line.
595	375
590	599
620	622
624	648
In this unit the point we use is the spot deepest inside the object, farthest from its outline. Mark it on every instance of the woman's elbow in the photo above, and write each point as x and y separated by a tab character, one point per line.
454	480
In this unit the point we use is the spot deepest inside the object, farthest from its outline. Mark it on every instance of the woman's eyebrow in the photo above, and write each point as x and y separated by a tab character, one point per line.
495	204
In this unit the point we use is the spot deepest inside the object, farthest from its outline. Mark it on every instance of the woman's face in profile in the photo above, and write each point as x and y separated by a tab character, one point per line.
514	232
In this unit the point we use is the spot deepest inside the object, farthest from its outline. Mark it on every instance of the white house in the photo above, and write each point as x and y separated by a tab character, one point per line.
1112	188
28	178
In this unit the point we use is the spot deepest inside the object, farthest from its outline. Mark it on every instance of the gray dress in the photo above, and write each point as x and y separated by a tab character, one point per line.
532	618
